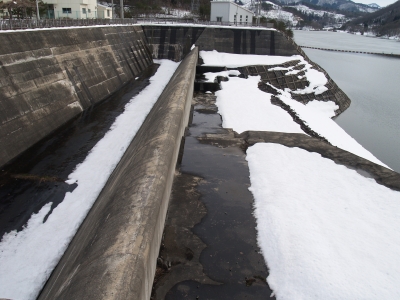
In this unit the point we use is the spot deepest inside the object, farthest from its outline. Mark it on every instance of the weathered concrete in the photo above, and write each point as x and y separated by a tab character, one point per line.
174	42
38	175
382	175
47	77
113	255
210	246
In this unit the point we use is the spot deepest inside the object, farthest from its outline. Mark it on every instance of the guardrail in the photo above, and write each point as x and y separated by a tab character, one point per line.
18	24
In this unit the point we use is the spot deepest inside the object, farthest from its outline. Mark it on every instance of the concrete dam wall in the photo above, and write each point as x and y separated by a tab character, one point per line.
48	77
172	42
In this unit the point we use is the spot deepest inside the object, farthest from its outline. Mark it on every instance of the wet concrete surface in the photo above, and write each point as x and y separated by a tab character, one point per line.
38	176
209	249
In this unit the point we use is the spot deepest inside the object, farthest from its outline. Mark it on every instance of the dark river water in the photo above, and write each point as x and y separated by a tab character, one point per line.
372	82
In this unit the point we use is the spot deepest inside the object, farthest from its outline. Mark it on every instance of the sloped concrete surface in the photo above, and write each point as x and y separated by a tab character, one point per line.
113	255
47	77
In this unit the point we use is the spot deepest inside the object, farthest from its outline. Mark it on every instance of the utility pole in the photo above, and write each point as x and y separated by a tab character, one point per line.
112	9
195	6
121	3
37	10
256	5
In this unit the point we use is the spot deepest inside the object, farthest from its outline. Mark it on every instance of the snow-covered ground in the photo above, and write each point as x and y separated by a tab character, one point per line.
320	13
243	106
174	13
316	114
229	60
28	257
326	232
275	13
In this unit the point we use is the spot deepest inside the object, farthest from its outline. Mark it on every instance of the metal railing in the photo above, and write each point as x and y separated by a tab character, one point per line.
18	24
50	23
198	22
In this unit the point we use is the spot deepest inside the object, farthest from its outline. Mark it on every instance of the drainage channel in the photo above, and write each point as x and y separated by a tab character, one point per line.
38	176
209	248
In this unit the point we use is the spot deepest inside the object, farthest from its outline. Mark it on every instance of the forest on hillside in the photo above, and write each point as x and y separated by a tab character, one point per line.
385	21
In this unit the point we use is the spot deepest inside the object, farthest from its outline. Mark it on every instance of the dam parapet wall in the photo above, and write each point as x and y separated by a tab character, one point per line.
114	253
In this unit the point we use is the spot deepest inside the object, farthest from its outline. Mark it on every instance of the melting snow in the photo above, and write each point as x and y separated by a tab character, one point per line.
326	232
28	257
244	107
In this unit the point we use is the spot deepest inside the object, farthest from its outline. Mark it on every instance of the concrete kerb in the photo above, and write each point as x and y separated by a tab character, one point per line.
114	253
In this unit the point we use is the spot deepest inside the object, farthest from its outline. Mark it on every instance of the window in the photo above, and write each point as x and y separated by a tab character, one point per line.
240	19
247	19
83	10
88	11
108	13
66	10
219	19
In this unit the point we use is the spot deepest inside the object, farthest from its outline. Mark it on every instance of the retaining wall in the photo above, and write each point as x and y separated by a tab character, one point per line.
47	77
114	253
173	42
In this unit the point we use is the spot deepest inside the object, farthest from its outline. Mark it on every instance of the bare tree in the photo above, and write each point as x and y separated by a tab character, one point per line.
17	5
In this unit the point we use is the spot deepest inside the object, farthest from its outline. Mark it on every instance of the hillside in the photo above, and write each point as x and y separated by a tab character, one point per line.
344	5
386	21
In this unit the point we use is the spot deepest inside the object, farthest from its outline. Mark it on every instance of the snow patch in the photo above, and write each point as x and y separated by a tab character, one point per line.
28	257
326	232
243	106
229	60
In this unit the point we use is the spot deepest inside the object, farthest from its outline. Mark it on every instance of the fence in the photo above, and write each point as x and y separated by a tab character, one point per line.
64	22
49	23
198	22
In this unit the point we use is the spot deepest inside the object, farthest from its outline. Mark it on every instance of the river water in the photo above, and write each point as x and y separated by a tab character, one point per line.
372	82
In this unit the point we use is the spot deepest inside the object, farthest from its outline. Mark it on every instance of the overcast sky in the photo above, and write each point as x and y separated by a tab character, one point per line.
379	2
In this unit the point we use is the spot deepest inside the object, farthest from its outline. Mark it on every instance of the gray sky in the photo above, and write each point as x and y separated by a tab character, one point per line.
379	2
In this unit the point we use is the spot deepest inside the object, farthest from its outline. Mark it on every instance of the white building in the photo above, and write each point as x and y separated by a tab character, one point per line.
76	9
227	11
72	9
104	12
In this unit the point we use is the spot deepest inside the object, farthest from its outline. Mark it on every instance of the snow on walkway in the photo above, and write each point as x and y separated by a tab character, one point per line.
241	103
28	257
243	106
229	60
326	232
